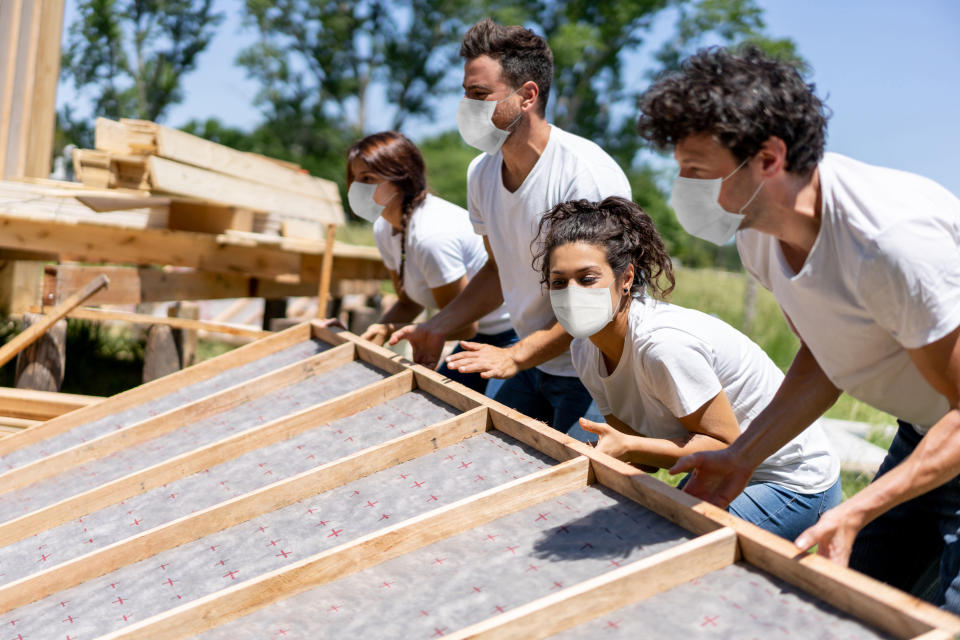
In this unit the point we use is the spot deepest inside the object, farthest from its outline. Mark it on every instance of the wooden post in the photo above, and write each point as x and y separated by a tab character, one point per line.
326	270
41	365
186	338
160	357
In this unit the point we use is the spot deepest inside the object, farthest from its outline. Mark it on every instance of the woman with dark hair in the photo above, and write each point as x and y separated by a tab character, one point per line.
427	244
669	380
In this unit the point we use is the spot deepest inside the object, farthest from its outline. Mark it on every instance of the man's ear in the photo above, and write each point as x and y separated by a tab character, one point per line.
530	93
773	156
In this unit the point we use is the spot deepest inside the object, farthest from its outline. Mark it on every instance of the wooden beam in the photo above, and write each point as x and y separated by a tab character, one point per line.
114	441
33	333
610	591
242	508
103	315
199	459
366	551
41	405
167	176
168	384
14	425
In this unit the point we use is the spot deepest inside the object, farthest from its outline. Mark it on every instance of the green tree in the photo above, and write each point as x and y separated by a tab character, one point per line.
131	56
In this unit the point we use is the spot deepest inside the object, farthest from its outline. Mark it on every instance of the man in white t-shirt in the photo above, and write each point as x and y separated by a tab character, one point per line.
528	167
865	263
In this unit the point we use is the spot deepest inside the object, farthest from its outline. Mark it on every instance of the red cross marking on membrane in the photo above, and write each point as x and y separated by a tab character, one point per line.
387	585
542	516
424	613
499	609
438	631
335	533
263	528
417	484
450	457
13	623
169	581
438	560
64	603
404	476
564	529
213	547
533	567
334	608
613	624
385	516
479	478
322	523
231	574
356	492
492	536
586	545
119	600
513	550
465	464
708	620
69	619
222	563
433	498
125	617
163	567
614	563
273	543
281	632
173	496
557	585
311	510
43	557
478	589
113	585
135	523
284	554
370	504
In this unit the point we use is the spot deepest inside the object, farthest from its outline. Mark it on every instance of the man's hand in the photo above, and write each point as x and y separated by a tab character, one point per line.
329	323
613	442
716	476
427	344
485	359
833	534
377	333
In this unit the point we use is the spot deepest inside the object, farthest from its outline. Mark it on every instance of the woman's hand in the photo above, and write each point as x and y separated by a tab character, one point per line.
613	442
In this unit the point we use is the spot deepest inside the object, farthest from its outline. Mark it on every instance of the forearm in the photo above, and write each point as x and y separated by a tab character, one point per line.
540	346
805	394
481	296
661	452
401	313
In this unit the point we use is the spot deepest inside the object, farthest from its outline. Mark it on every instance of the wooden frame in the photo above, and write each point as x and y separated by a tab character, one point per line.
720	539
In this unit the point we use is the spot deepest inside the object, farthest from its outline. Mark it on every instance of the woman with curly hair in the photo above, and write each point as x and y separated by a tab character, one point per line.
670	381
427	243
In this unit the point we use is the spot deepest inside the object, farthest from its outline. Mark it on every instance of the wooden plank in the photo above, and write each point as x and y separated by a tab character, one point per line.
936	634
104	315
174	419
199	459
88	242
10	14
610	591
39	155
359	554
41	405
14	425
167	176
242	508
149	391
27	337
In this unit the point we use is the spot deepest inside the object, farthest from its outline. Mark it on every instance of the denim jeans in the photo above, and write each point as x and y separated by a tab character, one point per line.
474	380
901	544
782	511
560	401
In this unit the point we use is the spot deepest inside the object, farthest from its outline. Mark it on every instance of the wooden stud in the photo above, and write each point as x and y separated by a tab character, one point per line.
139	395
242	508
12	348
182	416
366	551
593	598
207	456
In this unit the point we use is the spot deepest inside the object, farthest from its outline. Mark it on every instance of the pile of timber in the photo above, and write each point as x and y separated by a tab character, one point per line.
207	187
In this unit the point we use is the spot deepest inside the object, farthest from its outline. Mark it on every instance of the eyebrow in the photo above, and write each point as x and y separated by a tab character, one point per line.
587	268
481	87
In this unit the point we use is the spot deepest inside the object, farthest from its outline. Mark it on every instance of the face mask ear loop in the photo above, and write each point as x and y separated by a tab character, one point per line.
735	170
510	126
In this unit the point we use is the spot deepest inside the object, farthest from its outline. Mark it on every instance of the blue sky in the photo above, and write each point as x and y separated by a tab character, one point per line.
889	70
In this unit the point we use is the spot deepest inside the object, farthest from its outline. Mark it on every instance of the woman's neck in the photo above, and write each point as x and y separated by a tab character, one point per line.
610	339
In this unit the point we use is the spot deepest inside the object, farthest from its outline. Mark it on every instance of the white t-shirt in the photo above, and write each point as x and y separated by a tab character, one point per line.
676	359
883	277
570	168
441	248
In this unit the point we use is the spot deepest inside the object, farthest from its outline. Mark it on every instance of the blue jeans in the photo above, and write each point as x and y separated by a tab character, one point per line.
474	380
560	401
780	510
902	543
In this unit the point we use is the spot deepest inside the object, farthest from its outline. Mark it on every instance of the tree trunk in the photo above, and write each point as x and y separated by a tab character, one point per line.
41	365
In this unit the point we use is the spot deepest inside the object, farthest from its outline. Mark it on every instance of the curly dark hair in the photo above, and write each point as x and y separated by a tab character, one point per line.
621	227
522	54
742	98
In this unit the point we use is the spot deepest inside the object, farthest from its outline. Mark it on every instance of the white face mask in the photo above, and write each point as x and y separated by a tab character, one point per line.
360	197
582	311
695	202
475	122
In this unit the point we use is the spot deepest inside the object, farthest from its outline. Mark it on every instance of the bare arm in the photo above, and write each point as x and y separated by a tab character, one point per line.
803	396
711	427
404	310
481	296
935	460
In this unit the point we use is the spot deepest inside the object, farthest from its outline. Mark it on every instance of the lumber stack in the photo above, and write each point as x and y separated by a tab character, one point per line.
213	188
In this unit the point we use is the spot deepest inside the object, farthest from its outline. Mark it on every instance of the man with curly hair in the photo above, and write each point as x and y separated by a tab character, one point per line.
865	263
528	166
